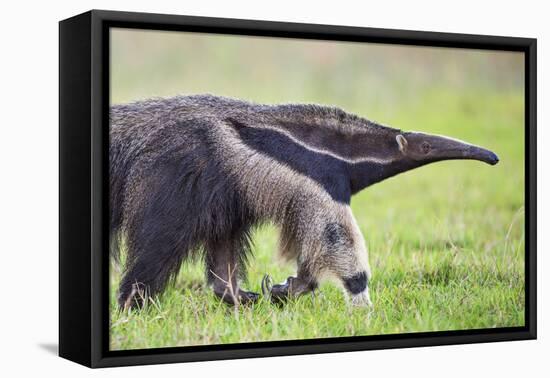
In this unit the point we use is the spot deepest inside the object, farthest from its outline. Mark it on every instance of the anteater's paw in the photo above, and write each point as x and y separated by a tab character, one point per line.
361	299
279	293
248	297
242	297
133	297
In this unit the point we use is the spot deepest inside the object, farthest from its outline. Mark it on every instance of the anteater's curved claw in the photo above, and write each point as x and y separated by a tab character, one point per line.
267	285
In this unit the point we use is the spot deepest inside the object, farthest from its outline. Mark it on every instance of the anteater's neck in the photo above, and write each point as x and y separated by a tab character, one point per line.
367	173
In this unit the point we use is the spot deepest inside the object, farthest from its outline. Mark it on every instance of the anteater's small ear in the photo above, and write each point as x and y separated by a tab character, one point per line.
402	142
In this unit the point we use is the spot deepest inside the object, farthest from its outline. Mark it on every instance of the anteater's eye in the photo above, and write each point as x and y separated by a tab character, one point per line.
425	147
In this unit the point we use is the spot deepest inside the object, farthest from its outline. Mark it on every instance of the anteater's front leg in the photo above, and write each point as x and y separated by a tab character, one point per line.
224	264
330	244
345	256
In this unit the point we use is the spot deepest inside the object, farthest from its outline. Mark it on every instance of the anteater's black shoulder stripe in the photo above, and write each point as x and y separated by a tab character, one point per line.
328	171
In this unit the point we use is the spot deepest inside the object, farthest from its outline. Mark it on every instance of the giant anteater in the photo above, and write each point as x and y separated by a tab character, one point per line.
193	175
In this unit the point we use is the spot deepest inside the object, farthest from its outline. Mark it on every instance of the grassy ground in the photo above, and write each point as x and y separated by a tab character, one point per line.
446	241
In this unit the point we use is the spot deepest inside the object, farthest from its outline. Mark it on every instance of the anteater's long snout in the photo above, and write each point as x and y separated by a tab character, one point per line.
430	148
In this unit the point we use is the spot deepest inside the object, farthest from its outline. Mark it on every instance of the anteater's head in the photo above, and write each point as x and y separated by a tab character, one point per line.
426	148
386	152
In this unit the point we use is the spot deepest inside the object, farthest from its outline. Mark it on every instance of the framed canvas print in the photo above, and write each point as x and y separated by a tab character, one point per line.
235	188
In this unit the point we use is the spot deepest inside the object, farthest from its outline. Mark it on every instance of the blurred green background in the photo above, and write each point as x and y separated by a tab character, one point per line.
446	241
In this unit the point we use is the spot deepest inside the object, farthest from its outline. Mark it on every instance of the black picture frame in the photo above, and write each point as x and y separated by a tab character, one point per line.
83	167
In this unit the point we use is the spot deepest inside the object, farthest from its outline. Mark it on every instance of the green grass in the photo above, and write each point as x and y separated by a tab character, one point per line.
446	242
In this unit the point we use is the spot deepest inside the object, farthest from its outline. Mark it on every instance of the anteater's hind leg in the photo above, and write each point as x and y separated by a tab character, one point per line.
148	270
159	236
225	260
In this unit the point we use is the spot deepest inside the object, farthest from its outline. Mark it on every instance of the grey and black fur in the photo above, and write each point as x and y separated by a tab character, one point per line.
195	174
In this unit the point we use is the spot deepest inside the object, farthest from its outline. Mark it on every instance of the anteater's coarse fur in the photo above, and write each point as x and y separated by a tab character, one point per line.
193	175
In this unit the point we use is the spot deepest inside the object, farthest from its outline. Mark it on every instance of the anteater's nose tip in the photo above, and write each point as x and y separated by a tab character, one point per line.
493	159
